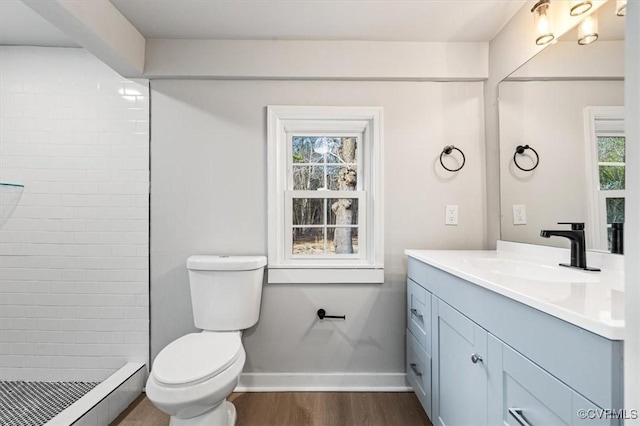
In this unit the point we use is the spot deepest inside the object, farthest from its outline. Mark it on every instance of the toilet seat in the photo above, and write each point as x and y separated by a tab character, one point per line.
196	357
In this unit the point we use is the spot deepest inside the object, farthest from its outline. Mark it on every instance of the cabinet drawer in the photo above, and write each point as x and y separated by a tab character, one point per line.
419	372
419	314
533	397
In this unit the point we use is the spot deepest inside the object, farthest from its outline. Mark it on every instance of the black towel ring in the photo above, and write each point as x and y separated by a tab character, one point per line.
448	150
520	150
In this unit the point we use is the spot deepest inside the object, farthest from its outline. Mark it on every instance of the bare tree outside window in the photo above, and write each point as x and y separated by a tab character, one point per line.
347	181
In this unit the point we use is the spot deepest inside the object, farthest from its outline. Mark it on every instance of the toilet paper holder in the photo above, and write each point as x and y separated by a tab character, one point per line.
322	314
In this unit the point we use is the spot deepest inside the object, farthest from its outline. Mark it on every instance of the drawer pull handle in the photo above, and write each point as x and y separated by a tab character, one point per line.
416	313
516	413
475	358
414	367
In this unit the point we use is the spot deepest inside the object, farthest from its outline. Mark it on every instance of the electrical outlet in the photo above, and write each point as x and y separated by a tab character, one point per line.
519	214
451	215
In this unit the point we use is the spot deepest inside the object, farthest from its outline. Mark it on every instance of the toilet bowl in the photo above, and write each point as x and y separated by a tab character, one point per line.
192	377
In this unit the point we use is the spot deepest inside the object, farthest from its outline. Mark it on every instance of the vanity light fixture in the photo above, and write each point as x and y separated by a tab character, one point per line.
588	30
579	7
542	20
621	7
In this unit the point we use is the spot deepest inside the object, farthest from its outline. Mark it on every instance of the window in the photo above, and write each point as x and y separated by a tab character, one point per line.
606	166
325	194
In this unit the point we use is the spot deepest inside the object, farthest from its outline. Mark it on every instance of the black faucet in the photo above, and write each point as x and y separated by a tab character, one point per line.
578	245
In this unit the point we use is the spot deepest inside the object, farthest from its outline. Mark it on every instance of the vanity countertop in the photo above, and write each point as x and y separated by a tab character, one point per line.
531	275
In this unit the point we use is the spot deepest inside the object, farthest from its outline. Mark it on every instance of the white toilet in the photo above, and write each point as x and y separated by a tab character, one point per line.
192	377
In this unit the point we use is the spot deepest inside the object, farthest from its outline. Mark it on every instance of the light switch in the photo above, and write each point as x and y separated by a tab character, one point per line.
451	215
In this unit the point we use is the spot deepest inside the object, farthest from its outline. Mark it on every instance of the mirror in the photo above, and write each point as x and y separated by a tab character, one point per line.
565	108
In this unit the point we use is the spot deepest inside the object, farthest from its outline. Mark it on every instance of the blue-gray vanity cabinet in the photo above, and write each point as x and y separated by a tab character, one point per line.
541	368
459	372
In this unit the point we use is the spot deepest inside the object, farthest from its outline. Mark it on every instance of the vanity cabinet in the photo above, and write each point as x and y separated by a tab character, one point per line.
478	357
460	376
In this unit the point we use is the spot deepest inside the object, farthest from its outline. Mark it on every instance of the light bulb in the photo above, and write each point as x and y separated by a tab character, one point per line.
543	25
588	30
542	19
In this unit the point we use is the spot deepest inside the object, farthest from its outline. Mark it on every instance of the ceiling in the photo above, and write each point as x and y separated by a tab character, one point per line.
396	20
375	20
19	25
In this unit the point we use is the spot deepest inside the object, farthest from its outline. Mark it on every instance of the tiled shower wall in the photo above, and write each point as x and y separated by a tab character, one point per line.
74	254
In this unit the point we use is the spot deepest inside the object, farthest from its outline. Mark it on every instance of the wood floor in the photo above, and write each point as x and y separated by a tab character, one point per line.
302	409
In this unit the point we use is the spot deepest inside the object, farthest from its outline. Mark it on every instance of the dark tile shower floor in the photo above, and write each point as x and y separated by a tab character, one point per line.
35	403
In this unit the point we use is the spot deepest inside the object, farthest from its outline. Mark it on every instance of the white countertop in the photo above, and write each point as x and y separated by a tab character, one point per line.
531	275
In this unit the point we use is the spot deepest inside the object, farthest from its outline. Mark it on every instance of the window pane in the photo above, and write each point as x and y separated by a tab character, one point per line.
615	214
303	152
343	150
308	178
348	175
342	240
308	241
342	211
615	210
611	149
324	149
611	177
308	211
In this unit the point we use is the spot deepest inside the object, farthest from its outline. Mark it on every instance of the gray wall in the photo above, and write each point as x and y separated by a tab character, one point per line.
208	165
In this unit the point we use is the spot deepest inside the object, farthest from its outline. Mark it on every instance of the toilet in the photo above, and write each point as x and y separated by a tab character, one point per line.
192	376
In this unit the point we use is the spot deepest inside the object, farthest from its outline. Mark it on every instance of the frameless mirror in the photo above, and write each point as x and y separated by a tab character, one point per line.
562	138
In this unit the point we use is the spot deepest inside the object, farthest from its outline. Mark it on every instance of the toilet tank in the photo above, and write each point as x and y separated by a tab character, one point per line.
225	291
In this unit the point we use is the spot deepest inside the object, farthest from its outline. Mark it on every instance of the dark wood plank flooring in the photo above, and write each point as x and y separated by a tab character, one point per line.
302	409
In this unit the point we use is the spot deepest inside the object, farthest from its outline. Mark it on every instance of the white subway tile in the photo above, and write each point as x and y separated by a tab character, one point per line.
74	266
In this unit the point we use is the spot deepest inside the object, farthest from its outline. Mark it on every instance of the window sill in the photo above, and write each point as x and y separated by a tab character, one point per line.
325	276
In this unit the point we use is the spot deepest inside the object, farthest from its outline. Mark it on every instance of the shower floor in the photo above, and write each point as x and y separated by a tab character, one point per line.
35	403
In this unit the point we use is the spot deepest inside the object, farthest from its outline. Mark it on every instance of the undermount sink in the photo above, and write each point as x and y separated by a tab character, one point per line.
531	271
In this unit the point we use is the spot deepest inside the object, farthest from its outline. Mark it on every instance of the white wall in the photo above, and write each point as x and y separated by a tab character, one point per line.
74	255
548	116
209	172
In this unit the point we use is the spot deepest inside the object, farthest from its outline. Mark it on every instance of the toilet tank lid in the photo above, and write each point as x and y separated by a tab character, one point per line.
225	263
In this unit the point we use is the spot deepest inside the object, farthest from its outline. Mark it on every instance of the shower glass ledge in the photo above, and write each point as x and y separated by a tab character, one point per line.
10	194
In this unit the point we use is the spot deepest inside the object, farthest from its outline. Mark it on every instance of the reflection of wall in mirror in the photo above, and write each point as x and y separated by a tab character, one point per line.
549	116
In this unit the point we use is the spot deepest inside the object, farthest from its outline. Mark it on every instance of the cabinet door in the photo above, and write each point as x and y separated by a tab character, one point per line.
460	397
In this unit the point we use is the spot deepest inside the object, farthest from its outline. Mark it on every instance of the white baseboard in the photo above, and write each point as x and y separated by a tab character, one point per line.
323	382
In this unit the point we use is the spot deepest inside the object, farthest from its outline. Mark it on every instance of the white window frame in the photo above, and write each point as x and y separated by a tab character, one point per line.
599	121
367	266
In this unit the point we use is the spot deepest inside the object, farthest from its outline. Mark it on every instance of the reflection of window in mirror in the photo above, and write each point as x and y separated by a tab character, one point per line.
604	133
